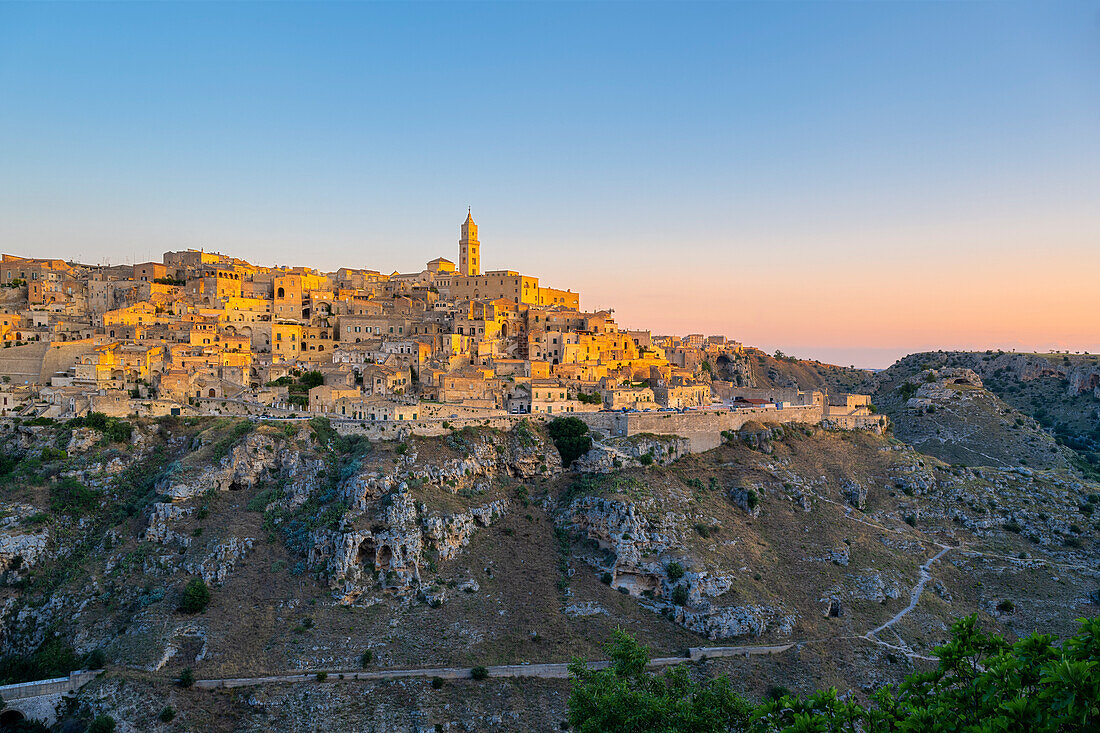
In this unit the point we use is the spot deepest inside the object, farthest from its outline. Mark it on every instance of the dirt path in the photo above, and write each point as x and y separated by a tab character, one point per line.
925	576
552	670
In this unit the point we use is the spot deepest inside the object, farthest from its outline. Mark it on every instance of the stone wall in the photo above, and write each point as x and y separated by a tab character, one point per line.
702	428
36	363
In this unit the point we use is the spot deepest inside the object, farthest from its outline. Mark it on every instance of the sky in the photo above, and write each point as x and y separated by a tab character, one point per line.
843	181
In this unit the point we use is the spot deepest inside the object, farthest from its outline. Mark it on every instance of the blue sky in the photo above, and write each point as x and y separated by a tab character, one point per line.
849	181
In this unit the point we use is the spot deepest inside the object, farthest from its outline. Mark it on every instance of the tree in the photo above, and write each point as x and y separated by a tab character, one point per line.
187	678
625	697
983	684
196	596
570	436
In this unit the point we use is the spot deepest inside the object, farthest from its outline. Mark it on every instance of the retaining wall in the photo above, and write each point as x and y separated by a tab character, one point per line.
702	428
55	686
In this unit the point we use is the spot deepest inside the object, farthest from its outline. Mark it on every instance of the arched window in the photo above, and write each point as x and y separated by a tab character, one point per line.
281	293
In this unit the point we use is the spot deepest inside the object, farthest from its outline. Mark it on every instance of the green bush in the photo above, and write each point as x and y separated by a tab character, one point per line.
69	496
571	438
982	683
196	596
625	697
680	595
675	571
186	678
102	724
479	673
437	683
52	658
366	659
168	714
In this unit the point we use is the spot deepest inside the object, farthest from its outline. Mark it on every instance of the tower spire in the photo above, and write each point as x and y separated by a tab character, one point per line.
469	248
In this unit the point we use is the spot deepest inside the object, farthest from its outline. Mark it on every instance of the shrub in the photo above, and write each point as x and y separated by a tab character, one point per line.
366	659
196	596
187	678
322	676
680	595
53	658
95	659
479	673
69	496
309	380
777	692
102	724
675	571
982	682
167	714
437	683
570	436
1006	606
606	578
646	459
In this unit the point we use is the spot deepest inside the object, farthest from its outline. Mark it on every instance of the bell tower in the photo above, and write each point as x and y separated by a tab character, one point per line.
469	249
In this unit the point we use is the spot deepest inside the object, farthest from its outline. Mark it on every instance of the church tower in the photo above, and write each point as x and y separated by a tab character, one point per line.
469	249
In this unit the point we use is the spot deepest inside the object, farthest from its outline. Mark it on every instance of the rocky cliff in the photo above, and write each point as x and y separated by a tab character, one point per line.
477	548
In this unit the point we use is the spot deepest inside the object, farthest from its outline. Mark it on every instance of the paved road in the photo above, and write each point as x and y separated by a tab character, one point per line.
555	670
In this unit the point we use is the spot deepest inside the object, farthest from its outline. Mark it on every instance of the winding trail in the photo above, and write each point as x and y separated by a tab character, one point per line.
925	576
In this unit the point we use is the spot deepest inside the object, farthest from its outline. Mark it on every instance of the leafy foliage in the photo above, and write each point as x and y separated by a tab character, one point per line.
221	448
115	430
625	697
983	684
53	658
69	496
102	724
196	596
570	435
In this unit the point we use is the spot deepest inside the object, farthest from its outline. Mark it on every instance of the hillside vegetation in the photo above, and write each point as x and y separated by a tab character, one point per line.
322	551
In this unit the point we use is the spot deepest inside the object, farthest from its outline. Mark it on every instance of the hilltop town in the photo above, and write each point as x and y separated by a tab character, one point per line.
236	497
202	333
